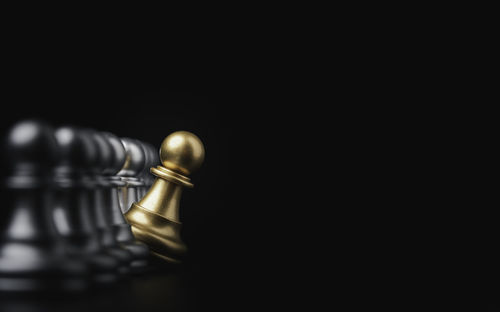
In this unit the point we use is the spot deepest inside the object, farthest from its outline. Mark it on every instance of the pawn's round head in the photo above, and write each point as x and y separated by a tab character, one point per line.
32	142
134	158
76	151
119	154
104	151
182	152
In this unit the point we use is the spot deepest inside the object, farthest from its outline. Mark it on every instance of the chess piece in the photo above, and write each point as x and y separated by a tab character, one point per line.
145	177
132	168
32	256
99	198
155	218
154	159
141	191
121	228
72	207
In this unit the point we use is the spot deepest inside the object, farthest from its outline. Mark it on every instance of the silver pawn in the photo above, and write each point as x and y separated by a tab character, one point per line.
134	163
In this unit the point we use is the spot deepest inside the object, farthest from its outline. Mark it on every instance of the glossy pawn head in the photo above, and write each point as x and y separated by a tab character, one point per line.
182	152
134	159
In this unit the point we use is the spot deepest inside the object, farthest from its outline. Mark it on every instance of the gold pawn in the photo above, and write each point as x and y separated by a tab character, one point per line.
155	218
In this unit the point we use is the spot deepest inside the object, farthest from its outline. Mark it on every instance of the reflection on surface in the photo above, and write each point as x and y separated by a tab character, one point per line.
154	291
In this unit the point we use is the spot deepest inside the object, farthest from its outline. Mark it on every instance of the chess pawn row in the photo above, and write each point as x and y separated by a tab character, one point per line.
32	255
63	225
121	229
129	173
74	217
135	173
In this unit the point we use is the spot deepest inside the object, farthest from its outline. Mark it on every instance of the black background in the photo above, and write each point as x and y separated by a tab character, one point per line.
302	197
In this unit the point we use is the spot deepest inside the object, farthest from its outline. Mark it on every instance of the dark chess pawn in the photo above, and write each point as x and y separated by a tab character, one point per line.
97	194
32	256
151	160
71	213
141	190
122	230
130	171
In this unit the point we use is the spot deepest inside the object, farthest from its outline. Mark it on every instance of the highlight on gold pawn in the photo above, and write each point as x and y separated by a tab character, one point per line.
155	218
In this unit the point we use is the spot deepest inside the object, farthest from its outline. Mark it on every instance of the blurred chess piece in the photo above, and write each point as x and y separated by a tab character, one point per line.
155	218
134	163
32	256
121	228
144	175
155	159
72	207
100	199
141	175
147	178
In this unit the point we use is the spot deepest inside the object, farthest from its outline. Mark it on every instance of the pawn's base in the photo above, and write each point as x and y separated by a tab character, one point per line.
160	234
51	270
30	284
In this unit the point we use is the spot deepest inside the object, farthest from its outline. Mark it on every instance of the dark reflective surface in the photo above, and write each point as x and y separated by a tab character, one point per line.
162	289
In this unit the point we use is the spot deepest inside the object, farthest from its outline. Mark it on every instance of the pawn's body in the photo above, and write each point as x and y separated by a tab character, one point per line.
121	229
32	257
129	173
146	178
72	205
99	200
155	218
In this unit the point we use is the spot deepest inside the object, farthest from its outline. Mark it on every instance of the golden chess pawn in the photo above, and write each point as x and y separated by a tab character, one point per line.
155	218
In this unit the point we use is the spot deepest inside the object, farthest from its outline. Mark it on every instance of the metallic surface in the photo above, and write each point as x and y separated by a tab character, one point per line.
152	157
121	228
142	176
98	196
134	164
71	205
182	152
155	218
155	159
32	257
